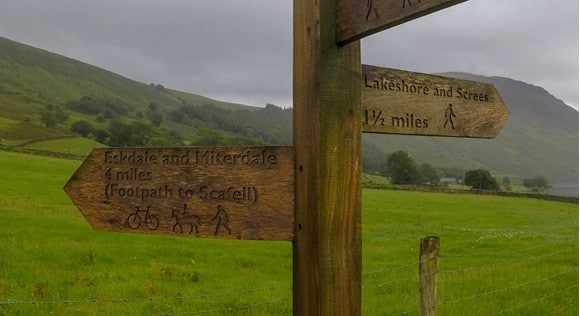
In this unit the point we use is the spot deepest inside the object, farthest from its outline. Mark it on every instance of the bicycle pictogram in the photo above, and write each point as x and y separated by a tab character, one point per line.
140	216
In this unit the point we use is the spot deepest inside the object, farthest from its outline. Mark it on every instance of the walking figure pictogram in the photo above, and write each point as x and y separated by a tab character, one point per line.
222	218
449	115
371	10
408	1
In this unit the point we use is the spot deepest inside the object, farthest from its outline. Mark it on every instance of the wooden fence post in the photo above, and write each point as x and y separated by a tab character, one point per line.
428	268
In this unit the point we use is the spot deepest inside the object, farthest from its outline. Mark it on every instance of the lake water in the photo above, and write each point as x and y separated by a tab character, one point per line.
564	189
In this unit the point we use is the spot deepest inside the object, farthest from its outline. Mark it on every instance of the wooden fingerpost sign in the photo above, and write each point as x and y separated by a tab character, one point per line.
327	142
360	18
410	103
215	192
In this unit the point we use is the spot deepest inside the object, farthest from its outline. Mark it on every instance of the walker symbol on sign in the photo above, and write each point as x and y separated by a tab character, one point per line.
449	115
222	218
371	10
405	2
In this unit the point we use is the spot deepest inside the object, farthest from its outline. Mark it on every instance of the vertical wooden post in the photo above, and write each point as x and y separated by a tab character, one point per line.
428	268
327	140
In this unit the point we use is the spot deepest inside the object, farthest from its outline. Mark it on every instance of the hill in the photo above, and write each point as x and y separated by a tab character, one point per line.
45	95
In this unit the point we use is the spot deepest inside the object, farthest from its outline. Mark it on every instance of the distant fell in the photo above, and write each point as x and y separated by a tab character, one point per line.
526	99
46	95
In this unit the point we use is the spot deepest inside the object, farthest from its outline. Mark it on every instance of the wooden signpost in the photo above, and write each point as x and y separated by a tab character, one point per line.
361	18
327	129
309	193
216	192
327	141
403	102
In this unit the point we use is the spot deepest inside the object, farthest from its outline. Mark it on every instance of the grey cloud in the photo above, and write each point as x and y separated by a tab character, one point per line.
241	51
533	41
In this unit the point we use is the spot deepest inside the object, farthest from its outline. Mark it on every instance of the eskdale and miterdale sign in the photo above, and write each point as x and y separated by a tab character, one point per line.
403	102
218	192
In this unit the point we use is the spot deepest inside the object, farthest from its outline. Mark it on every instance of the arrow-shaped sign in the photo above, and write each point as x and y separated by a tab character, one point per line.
217	192
359	18
403	102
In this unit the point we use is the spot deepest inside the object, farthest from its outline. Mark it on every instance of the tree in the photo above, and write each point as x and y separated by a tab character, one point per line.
49	119
480	179
208	137
401	168
60	114
536	184
82	127
53	116
177	116
133	134
507	184
428	175
108	114
156	118
101	136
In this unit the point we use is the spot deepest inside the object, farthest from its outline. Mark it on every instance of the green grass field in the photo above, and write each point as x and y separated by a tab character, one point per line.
73	145
509	256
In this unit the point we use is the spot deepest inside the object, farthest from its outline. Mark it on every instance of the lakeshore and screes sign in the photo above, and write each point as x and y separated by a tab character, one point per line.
403	102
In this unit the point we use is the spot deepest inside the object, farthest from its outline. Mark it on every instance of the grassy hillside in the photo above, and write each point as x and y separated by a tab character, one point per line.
43	95
74	145
498	255
33	77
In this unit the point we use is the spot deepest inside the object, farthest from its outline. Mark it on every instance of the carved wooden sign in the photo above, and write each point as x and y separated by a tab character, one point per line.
216	192
359	18
403	102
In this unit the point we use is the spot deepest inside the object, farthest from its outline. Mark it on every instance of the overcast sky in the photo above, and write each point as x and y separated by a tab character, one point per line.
241	50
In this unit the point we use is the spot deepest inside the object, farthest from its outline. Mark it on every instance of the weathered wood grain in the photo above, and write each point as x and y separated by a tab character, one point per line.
216	192
327	140
403	102
361	18
428	269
